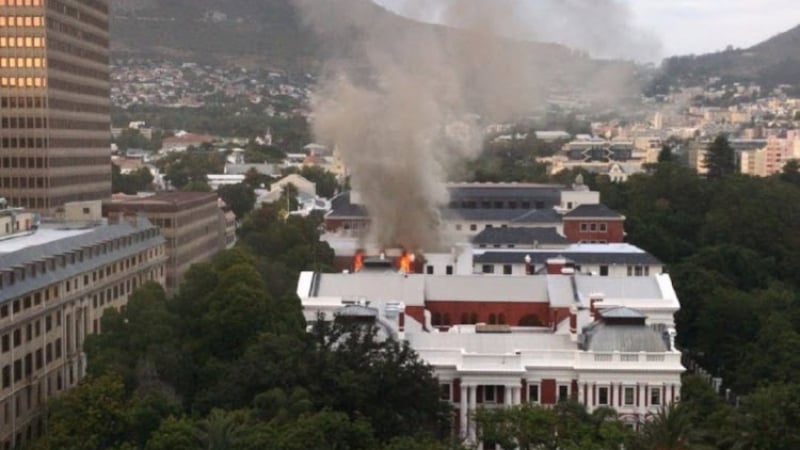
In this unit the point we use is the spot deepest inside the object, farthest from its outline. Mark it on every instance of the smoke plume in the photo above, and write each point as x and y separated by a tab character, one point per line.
400	100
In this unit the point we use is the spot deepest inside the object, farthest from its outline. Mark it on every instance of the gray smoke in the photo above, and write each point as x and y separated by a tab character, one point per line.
399	100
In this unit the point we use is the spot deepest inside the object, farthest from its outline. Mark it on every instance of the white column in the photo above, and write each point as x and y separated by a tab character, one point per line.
507	395
517	395
463	413
470	408
642	401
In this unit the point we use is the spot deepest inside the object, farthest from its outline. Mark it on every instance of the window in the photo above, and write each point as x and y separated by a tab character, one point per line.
507	269
473	227
449	270
593	227
563	393
603	271
584	227
655	396
488	268
603	227
533	393
458	227
429	270
444	391
490	394
629	396
6	376
602	395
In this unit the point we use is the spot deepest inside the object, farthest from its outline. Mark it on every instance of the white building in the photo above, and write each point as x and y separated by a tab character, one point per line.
494	340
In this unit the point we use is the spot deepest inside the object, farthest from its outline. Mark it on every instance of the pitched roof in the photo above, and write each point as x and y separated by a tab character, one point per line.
601	337
621	313
547	215
550	193
586	211
73	243
581	258
519	236
342	207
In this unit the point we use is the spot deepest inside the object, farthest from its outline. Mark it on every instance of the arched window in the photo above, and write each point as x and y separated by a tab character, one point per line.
436	319
464	319
501	319
530	320
492	319
446	320
473	318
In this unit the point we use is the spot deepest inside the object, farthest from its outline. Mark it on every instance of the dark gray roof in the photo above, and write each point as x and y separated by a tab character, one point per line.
341	207
601	337
481	215
519	236
621	313
580	258
593	211
67	245
549	193
547	215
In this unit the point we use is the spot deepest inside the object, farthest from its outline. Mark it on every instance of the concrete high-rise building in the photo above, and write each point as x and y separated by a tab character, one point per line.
193	224
54	102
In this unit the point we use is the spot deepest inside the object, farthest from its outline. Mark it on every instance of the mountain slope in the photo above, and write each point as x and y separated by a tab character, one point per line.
261	32
772	62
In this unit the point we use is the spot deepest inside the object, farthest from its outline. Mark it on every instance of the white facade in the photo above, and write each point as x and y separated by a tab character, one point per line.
507	364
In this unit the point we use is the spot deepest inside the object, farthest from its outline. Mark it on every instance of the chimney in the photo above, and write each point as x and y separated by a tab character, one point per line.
593	299
355	197
556	266
573	323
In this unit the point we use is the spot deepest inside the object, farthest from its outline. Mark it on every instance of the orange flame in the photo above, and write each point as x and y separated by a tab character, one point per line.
407	262
358	261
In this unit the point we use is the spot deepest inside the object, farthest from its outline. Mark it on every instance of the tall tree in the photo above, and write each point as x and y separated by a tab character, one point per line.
720	159
240	198
665	155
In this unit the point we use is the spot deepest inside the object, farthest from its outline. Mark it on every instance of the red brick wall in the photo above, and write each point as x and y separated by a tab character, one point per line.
513	312
547	394
417	312
615	231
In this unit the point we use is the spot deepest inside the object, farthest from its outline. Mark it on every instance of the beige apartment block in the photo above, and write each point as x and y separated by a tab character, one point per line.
54	102
192	223
55	285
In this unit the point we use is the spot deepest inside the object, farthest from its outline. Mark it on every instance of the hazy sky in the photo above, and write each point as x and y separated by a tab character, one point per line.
681	26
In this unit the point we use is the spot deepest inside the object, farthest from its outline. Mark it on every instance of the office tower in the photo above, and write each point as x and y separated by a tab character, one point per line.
192	223
54	102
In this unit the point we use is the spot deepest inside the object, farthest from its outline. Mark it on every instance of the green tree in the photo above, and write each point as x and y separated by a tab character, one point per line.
669	429
174	434
91	416
720	159
136	181
221	430
239	197
326	182
665	155
791	172
769	418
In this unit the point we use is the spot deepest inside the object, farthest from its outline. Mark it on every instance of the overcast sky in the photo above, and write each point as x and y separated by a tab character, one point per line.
681	26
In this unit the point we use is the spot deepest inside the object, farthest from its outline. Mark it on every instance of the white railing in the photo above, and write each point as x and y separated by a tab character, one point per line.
524	360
